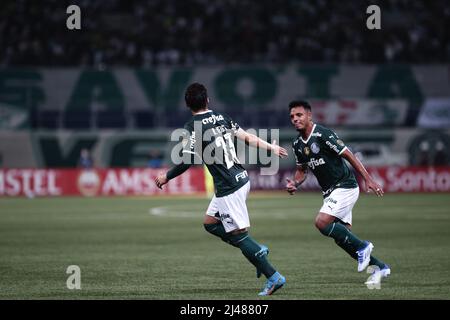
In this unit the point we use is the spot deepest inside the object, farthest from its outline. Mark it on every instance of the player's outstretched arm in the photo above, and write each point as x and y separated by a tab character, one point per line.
359	167
299	178
174	172
257	142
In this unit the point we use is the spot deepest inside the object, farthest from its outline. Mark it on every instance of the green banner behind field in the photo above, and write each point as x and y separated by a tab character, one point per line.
230	88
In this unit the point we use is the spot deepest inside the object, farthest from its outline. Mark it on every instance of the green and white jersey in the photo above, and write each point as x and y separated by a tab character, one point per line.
321	153
211	140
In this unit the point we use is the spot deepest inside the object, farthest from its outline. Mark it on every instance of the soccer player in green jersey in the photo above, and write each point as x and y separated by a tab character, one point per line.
210	139
319	150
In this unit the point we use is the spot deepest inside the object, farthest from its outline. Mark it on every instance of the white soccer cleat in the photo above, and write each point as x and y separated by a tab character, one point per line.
377	275
364	256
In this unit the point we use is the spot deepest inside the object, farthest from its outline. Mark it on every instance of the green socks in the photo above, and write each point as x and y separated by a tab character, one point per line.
342	236
249	247
218	230
348	241
252	251
349	249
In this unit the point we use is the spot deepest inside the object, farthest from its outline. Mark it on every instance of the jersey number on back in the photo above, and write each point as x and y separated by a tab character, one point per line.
226	142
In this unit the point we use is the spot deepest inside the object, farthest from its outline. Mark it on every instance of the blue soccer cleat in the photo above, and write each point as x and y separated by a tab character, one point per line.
261	253
275	282
364	256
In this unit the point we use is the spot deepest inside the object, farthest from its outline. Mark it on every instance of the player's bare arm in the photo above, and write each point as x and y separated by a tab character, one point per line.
257	142
299	177
359	167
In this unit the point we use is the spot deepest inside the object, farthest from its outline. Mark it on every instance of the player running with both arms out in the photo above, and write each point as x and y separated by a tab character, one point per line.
320	150
227	215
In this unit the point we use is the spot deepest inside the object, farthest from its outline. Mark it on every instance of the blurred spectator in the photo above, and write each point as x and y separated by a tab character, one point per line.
190	32
424	154
85	160
155	159
440	156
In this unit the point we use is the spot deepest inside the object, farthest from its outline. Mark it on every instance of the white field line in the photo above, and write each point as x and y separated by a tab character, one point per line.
174	212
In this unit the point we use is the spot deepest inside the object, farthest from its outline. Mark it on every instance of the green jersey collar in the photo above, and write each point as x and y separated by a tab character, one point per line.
309	137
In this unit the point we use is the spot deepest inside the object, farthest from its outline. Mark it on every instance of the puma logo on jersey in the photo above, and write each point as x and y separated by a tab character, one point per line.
332	146
313	163
213	119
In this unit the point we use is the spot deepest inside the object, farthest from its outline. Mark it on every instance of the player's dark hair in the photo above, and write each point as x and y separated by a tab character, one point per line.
196	97
299	103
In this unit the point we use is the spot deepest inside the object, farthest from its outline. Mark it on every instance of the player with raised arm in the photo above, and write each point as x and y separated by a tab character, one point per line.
212	133
319	149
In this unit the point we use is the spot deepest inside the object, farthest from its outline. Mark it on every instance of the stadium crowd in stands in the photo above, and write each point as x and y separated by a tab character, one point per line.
192	32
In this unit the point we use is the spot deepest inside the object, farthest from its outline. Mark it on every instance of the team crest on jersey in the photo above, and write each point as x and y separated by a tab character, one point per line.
306	151
340	142
315	148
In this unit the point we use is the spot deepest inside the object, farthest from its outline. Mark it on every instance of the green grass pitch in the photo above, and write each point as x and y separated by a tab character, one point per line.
156	248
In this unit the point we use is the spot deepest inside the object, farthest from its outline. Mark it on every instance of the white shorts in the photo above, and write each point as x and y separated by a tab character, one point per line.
231	209
340	203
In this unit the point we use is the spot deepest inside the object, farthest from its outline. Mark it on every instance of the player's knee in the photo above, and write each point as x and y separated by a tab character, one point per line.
323	226
320	224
